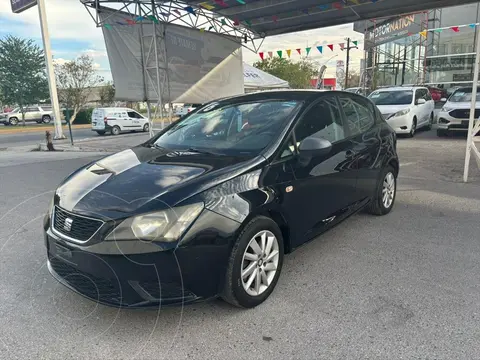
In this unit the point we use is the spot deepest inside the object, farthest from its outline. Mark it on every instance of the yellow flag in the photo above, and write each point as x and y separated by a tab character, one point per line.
288	52
207	6
423	33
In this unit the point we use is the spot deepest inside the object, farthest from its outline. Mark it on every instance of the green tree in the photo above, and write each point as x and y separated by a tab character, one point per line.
76	80
22	73
107	94
298	74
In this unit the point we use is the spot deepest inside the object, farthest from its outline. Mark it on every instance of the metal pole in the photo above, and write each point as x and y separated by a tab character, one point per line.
57	120
159	90
472	106
348	61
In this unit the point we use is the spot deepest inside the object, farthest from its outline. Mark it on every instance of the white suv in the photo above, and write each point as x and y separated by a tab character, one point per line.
405	109
40	114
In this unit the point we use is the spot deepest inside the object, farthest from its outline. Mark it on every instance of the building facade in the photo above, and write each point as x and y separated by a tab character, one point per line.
423	48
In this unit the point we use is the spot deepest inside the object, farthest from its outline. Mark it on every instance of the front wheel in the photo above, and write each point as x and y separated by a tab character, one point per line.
13	121
255	264
46	119
430	122
413	129
115	130
384	198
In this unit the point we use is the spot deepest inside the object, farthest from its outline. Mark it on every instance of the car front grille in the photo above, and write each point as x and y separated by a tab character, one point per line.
463	113
75	226
95	288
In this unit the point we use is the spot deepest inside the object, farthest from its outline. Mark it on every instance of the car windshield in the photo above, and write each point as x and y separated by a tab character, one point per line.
235	129
463	95
392	97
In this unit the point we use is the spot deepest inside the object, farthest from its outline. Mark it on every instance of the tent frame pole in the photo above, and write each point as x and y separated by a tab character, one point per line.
472	127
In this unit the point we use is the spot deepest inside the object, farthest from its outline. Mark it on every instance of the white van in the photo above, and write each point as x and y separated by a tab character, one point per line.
116	120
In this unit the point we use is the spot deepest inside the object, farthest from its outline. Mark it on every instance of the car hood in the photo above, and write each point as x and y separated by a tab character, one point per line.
460	105
391	109
143	179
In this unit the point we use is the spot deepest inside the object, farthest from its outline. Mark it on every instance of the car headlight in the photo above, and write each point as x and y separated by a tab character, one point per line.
402	112
446	109
162	226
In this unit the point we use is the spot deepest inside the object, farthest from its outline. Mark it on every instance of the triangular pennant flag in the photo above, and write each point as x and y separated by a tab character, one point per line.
107	26
248	22
472	25
241	2
207	6
131	22
210	28
355	43
139	18
177	12
270	54
455	28
153	18
202	30
236	22
119	23
323	7
279	52
299	51
330	46
355	2
320	49
438	30
308	50
338	5
221	3
223	22
423	33
261	55
190	10
288	52
342	46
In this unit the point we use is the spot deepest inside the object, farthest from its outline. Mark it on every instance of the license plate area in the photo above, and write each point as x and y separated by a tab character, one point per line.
62	252
465	123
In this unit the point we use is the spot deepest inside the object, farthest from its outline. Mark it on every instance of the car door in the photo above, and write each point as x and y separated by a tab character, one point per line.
135	119
361	119
420	109
33	113
317	190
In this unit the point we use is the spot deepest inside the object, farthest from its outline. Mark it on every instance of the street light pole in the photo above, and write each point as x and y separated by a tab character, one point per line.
348	61
320	70
50	71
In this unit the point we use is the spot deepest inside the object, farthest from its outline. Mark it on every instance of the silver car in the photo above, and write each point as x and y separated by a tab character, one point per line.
40	114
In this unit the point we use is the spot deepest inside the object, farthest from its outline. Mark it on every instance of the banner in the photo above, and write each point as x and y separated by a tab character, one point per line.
21	5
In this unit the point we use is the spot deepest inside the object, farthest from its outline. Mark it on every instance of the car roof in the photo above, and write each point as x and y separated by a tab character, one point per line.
114	109
401	88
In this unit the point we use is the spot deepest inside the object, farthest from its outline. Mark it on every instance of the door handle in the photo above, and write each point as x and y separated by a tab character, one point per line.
350	153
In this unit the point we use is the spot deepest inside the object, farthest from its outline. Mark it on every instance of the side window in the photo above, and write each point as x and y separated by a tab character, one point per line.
32	109
288	149
359	115
418	94
428	96
322	120
132	114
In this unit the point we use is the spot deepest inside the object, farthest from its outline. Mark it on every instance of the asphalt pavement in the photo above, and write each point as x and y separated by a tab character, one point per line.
27	138
403	286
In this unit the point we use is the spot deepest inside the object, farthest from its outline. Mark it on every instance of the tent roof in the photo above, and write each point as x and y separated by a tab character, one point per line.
273	17
257	79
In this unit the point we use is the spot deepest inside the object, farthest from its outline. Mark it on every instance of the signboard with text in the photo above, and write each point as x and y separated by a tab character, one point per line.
21	5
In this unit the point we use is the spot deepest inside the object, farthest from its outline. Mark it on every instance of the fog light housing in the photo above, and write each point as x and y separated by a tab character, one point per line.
443	121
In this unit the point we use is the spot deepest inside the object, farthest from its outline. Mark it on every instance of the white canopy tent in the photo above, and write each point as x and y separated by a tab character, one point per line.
256	79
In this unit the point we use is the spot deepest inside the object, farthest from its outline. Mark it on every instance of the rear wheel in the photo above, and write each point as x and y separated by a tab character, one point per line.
255	264
13	121
115	130
146	127
384	198
101	132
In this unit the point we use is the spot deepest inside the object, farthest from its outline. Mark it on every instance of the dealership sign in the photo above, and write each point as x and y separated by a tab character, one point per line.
394	29
20	5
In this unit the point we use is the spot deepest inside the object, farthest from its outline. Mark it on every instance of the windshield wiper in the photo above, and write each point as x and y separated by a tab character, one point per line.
198	151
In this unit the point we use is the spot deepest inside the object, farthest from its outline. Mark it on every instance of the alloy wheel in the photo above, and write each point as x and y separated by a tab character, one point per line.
414	128
260	263
388	190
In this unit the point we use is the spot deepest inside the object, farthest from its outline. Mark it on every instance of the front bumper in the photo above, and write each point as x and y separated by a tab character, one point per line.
187	274
449	123
400	124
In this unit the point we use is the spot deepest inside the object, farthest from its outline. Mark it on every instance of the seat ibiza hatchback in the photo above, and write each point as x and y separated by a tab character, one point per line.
210	206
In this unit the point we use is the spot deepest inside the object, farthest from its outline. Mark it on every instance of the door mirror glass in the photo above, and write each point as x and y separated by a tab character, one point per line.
314	146
421	101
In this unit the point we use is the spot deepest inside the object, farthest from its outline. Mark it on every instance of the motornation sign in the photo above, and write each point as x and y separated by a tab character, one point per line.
21	5
393	29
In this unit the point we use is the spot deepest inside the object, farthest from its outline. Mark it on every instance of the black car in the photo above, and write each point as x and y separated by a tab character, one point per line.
209	206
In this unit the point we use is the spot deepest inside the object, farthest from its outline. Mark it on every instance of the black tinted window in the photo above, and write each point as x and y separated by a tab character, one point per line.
359	115
322	120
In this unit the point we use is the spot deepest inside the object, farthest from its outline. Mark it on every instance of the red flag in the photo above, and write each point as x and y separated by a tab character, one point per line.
342	46
261	55
299	51
221	2
337	5
330	46
455	28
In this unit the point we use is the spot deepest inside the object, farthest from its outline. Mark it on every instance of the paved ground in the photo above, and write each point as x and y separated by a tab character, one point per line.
404	286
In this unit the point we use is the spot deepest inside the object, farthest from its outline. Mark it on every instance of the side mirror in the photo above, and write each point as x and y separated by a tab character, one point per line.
421	101
314	146
443	99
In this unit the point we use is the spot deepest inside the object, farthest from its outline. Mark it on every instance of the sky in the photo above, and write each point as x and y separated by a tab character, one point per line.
73	32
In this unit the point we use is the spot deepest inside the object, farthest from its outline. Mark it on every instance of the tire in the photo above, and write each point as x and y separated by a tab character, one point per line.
13	121
234	291
46	119
414	128
146	127
442	132
101	132
378	206
430	122
115	130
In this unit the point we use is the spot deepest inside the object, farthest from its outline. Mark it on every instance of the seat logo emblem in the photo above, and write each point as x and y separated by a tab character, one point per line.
67	226
289	189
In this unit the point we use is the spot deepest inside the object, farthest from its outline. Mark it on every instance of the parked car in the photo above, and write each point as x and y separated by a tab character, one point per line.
406	109
39	114
437	93
357	90
185	109
455	113
116	120
211	204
